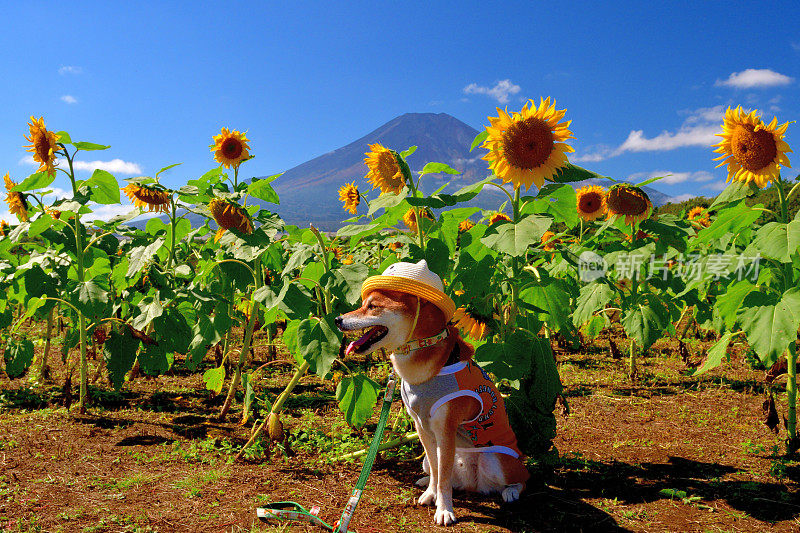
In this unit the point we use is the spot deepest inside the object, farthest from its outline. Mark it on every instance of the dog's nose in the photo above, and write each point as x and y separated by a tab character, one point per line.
338	321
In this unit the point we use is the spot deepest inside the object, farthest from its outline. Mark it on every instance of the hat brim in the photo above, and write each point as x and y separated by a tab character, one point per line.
410	286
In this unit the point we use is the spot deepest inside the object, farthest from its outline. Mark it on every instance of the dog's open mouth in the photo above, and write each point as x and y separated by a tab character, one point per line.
367	340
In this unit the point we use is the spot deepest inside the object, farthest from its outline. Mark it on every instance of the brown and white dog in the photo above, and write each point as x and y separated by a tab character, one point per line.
448	424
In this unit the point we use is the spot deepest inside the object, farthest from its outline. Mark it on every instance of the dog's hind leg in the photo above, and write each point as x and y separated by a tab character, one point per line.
424	481
511	493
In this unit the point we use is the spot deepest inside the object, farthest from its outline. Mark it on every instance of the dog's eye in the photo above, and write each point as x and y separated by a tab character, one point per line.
370	306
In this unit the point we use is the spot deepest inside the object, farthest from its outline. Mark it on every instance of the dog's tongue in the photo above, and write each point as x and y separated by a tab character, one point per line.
353	346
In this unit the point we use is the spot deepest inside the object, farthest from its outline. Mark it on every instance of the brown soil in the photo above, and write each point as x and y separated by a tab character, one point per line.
153	458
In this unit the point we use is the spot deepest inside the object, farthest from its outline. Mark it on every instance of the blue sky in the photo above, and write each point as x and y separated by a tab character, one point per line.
645	85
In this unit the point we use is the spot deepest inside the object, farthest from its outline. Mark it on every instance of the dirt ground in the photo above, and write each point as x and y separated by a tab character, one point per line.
671	453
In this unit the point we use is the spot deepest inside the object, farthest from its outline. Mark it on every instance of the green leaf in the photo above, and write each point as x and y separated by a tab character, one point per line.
90	298
673	493
155	360
214	379
150	308
35	181
167	168
357	396
318	343
104	187
141	255
592	298
514	239
772	240
408	152
571	173
770	323
87	146
174	332
728	304
18	356
478	140
119	352
593	327
734	192
436	168
557	200
41	224
732	219
646	320
715	354
510	360
206	332
387	201
262	189
289	338
63	137
552	296
649	181
436	254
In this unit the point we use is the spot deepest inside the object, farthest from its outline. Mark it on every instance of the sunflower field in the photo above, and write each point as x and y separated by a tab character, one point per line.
551	265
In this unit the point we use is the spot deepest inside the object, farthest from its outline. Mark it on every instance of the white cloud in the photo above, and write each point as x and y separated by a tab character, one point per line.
682	197
500	92
755	78
115	166
70	69
697	135
69	99
591	157
672	178
716	186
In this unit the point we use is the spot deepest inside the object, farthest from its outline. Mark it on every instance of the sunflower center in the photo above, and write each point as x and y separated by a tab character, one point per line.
232	148
528	143
626	202
387	167
42	146
590	202
752	149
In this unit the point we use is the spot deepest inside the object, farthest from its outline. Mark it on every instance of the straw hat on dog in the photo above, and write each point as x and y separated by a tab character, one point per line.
412	278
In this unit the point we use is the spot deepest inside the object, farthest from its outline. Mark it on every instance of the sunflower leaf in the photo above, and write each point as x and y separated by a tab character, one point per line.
119	352
437	168
357	396
167	168
104	187
38	180
649	181
262	189
18	357
408	152
86	146
478	140
570	172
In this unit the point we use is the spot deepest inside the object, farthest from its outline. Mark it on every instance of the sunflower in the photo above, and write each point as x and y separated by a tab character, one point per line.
3	228
43	145
394	246
465	225
548	242
230	148
384	169
16	201
338	253
152	197
410	218
229	215
528	147
752	150
590	202
497	217
699	215
628	201
470	323
348	260
54	213
350	196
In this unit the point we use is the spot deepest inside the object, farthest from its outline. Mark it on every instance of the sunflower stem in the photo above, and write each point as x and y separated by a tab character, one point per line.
173	224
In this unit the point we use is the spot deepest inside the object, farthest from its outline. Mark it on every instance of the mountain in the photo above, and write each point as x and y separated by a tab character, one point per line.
309	191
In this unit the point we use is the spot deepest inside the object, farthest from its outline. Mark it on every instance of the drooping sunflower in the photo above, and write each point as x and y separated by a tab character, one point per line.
590	202
229	215
230	148
43	145
470	323
699	215
384	169
752	150
528	147
350	196
410	218
465	225
151	196
497	217
628	201
16	201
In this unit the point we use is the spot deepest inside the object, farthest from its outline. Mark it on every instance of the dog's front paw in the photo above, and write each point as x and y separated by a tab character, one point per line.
512	492
444	517
423	481
428	497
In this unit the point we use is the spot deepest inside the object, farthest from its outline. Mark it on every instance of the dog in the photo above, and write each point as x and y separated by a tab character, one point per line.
453	423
